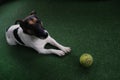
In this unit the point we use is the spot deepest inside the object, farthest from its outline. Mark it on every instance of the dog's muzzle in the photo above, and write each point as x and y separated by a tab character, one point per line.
40	32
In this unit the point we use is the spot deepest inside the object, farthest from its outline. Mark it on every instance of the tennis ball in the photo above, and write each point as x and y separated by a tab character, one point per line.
86	60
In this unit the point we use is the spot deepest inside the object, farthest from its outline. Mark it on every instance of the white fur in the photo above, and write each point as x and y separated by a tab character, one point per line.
35	43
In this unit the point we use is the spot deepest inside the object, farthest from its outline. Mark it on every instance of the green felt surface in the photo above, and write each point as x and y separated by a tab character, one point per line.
86	26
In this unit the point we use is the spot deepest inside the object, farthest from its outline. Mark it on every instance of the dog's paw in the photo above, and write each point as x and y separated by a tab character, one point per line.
60	53
66	49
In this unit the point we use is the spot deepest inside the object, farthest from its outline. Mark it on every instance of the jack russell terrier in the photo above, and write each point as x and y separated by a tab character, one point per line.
30	32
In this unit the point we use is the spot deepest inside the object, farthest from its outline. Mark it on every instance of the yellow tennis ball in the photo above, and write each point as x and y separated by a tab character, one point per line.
86	60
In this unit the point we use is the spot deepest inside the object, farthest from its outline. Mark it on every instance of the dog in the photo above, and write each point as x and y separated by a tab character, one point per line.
30	32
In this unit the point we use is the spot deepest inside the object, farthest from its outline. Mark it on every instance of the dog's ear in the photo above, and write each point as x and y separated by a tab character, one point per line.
33	13
23	26
18	21
21	22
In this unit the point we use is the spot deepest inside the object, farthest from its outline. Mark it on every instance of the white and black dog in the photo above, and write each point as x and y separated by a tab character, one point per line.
30	32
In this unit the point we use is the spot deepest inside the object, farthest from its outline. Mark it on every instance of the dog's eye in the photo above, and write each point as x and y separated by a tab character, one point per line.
38	21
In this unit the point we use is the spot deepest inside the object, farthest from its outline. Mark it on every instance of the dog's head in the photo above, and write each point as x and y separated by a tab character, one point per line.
32	25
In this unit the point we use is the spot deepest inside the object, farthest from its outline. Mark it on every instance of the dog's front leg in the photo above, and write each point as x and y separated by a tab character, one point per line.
55	43
50	51
39	46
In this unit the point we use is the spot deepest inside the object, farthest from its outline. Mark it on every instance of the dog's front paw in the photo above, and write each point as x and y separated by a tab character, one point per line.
60	53
66	49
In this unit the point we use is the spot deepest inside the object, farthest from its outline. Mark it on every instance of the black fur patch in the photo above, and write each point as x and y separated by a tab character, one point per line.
17	36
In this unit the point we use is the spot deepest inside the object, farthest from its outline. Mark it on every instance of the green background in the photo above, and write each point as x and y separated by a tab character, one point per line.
86	26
